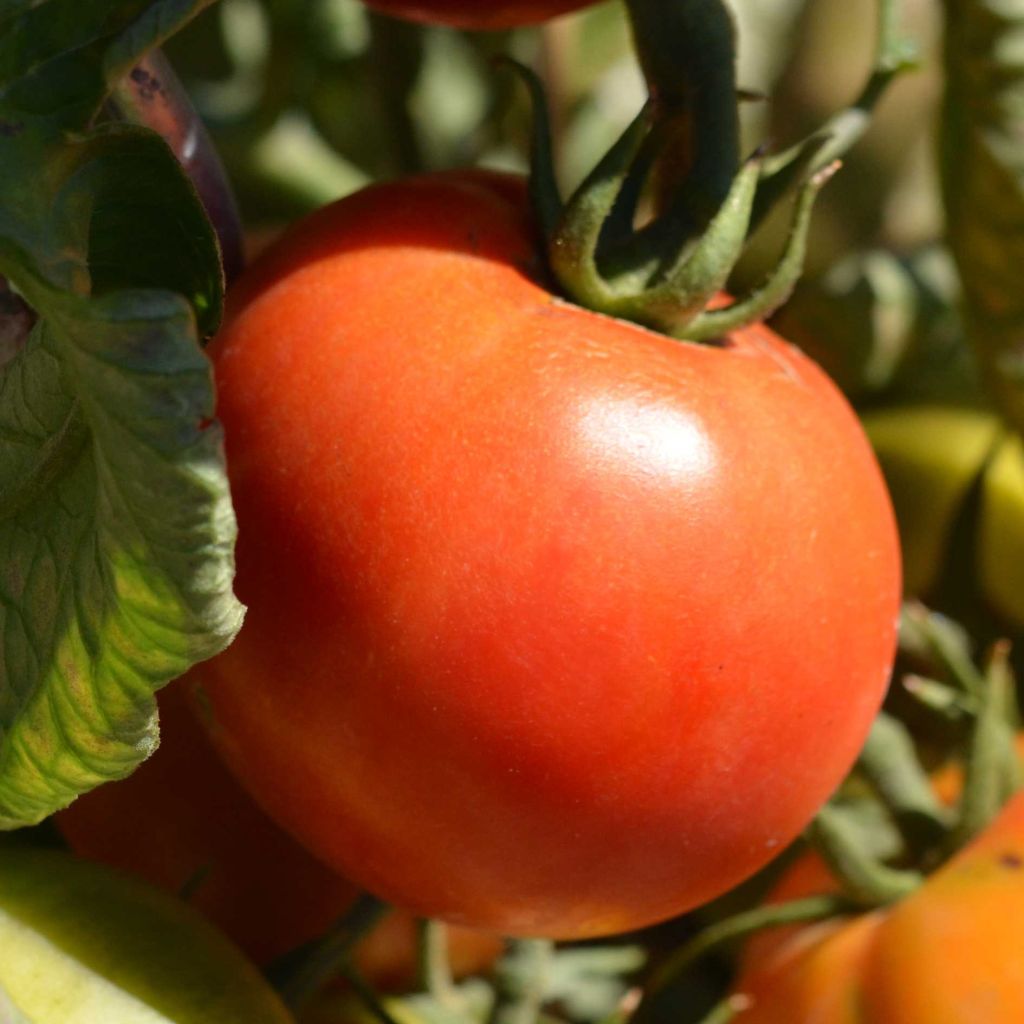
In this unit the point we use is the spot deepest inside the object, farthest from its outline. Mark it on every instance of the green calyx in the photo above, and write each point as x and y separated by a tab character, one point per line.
654	232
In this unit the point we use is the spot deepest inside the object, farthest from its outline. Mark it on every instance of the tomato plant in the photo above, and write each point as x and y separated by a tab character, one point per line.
181	822
80	943
476	15
950	951
529	587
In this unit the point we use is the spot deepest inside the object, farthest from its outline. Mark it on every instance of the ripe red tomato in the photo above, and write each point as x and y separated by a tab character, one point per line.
478	14
556	626
949	952
181	821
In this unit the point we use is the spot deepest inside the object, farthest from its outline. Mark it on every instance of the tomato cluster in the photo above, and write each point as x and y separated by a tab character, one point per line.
557	626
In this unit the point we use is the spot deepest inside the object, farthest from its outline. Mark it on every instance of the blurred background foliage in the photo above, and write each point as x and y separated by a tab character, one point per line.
310	99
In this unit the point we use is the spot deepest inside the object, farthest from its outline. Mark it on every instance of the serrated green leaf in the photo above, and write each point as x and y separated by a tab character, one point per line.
590	982
60	58
116	537
116	527
112	209
144	231
586	982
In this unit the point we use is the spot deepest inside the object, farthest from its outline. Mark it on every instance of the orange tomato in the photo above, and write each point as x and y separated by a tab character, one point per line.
948	954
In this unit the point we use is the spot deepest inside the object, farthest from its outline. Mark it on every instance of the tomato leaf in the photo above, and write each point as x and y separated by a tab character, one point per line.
59	58
116	528
588	983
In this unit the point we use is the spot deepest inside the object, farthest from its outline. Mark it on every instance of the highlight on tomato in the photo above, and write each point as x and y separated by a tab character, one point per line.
529	587
181	822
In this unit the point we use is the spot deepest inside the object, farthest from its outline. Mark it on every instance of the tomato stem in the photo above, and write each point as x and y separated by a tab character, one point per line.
687	49
396	51
895	54
366	993
435	973
681	155
543	182
864	878
731	929
300	975
890	763
992	770
778	286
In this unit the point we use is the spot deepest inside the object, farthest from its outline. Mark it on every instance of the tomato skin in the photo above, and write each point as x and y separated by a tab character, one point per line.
947	954
181	821
478	14
553	625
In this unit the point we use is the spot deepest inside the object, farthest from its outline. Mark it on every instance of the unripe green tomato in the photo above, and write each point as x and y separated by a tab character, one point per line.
80	944
931	457
1001	533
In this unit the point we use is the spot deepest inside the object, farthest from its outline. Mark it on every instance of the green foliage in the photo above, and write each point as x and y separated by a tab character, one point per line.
983	180
116	530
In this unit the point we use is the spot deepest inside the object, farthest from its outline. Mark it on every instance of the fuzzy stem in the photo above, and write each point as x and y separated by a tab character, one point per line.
687	49
775	915
434	967
992	771
396	48
889	761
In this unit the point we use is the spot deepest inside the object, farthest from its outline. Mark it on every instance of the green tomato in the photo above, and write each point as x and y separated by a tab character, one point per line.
1001	536
932	456
80	944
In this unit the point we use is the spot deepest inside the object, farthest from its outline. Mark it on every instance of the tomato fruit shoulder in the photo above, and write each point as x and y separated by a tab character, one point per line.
556	626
